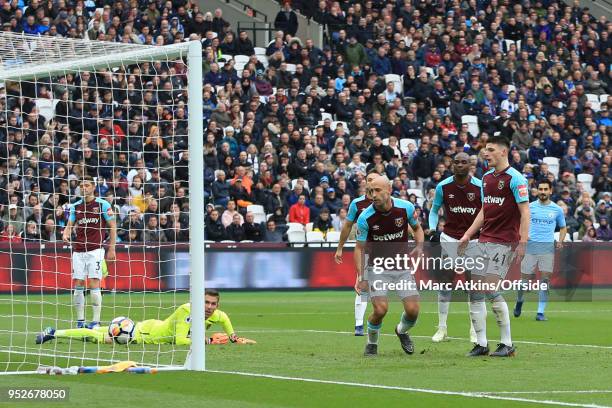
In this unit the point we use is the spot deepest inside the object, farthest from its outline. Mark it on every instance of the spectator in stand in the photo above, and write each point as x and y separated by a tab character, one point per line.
272	233
252	231
299	212
213	229
286	20
323	223
235	230
221	189
228	215
604	233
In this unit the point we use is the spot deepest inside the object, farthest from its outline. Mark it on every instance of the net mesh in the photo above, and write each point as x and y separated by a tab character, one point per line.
126	126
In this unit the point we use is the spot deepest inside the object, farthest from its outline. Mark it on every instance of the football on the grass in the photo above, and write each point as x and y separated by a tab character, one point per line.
121	330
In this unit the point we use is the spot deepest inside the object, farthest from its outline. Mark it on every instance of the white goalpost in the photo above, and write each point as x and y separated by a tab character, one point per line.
129	116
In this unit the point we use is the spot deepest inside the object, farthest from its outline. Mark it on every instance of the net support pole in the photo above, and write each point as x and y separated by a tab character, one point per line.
196	205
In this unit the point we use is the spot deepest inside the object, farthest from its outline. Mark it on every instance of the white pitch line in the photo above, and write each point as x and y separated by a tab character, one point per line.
539	343
550	392
411	389
421	312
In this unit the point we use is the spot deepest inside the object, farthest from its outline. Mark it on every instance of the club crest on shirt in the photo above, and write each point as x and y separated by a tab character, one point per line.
399	222
96	210
501	184
471	196
376	227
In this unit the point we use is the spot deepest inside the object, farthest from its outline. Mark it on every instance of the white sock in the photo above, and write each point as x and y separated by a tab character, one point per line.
79	302
500	308
444	297
373	330
361	304
478	313
96	303
405	324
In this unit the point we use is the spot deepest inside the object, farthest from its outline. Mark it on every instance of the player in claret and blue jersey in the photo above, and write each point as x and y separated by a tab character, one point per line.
546	216
460	196
503	223
383	233
90	217
355	208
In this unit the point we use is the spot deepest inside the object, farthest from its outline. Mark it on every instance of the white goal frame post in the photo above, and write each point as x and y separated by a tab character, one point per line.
20	60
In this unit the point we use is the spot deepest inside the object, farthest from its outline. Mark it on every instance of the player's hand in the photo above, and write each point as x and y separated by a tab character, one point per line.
338	256
417	251
519	252
233	338
559	245
463	242
66	236
361	286
111	255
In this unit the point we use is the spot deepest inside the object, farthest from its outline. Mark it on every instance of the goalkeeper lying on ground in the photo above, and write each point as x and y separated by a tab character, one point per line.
174	330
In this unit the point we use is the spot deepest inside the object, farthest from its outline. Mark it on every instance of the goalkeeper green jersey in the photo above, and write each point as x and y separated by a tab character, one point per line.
177	327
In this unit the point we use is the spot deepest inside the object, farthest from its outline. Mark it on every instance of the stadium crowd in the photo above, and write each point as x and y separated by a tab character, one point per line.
291	129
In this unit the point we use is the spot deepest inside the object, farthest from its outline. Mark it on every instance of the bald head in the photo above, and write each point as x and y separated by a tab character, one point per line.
380	192
461	164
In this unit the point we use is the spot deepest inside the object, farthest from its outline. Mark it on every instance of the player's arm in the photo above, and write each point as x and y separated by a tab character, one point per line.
226	323
562	227
435	208
475	227
519	188
417	231
182	326
68	230
362	236
346	230
109	217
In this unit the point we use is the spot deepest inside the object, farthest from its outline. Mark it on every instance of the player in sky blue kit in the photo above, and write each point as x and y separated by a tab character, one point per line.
546	216
461	197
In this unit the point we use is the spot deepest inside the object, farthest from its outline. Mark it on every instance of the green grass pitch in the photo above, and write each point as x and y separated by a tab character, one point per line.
304	336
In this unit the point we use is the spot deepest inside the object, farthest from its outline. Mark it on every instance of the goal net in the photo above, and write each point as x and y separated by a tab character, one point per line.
123	115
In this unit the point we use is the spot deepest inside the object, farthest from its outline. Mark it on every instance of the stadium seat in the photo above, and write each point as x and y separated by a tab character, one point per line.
295	181
575	236
603	98
430	72
511	88
567	237
397	82
404	143
472	122
295	226
228	241
226	57
46	108
350	244
246	241
586	180
241	59
308	227
291	68
258	213
418	193
339	122
263	59
314	237
296	237
325	115
385	141
592	98
333	236
260	51
509	43
553	165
